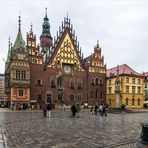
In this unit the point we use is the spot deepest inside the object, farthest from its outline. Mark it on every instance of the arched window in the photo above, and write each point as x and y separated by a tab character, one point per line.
101	82
91	95
138	102
97	93
126	102
60	82
92	81
133	102
53	82
72	83
97	81
39	82
79	82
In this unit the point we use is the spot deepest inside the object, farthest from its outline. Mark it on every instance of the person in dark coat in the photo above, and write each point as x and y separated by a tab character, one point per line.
73	110
48	109
104	111
44	110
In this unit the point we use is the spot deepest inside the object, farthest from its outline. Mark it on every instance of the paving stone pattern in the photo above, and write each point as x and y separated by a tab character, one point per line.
28	129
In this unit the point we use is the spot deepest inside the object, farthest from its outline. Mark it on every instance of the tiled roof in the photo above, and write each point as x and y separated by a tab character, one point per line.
145	73
123	69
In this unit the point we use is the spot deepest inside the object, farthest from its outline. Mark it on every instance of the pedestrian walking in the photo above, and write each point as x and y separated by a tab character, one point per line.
96	109
100	109
64	107
78	108
44	110
73	110
48	110
92	110
104	111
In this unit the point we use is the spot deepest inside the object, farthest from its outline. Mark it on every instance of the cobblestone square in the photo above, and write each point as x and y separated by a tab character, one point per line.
28	129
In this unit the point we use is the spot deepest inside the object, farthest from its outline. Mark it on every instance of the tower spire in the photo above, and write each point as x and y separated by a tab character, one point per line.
19	23
46	12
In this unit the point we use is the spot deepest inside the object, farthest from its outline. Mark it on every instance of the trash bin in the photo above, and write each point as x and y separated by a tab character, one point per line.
144	133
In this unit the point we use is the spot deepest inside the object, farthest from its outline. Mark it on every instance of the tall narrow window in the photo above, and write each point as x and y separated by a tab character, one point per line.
133	89
138	102
97	81
126	102
133	102
139	90
92	81
127	89
72	83
21	92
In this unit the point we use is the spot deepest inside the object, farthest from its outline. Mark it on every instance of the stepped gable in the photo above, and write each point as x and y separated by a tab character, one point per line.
123	69
66	37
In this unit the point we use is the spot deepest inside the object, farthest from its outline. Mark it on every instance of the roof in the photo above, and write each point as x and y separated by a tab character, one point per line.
123	69
145	74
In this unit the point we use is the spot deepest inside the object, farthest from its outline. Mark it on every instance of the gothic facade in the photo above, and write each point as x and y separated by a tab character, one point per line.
54	70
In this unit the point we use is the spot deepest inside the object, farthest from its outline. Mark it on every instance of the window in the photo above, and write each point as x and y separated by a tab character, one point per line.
133	102
127	80
126	102
97	93
110	90
72	97
60	97
79	97
17	74
20	74
39	82
101	81
109	82
21	92
127	89
133	80
39	98
53	83
49	98
60	82
139	89
133	89
79	84
72	83
145	85
138	102
97	81
92	81
139	81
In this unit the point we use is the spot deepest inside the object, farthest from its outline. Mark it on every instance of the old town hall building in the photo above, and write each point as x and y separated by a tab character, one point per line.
53	70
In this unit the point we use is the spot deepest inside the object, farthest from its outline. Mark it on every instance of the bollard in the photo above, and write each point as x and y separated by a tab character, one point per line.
144	133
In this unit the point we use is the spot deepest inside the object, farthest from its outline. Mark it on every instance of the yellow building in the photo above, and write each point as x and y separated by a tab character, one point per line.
131	87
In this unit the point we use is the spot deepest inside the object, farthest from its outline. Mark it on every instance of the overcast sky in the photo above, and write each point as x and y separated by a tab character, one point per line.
120	26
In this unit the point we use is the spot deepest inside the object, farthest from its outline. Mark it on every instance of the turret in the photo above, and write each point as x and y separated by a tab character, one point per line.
45	38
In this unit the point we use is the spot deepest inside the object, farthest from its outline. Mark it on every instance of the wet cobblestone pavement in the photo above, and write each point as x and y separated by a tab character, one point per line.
28	129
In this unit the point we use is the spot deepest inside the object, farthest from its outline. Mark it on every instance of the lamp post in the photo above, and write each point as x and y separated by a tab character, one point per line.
117	89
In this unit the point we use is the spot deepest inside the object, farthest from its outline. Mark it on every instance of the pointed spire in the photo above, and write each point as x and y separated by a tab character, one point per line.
19	23
31	27
97	44
46	12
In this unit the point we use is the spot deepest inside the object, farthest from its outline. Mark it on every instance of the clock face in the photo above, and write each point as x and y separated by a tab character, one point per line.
67	69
